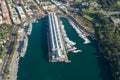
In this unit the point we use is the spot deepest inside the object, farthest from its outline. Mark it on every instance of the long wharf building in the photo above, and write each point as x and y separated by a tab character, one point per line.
56	49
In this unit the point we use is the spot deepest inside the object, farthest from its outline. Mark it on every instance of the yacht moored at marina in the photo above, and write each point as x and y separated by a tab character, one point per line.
80	32
70	45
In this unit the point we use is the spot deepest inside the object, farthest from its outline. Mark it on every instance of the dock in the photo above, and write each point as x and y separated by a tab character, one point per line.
56	48
80	32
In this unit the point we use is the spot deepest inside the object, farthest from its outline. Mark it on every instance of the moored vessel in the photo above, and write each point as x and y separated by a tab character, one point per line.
24	47
29	31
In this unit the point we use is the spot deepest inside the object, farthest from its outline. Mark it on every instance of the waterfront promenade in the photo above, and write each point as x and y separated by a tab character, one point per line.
14	66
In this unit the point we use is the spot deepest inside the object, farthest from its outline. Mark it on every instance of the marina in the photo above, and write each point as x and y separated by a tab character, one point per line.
70	45
59	43
83	66
80	32
52	40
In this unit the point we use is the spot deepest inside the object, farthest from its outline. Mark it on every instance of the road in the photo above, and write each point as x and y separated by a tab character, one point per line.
8	54
6	59
14	67
109	13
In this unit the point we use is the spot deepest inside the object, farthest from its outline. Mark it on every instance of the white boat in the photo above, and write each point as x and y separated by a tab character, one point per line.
79	50
86	41
24	47
65	35
36	21
75	51
74	48
68	46
29	29
53	57
67	39
72	43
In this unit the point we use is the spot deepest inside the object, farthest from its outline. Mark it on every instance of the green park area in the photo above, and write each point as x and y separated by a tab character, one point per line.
5	36
91	10
118	3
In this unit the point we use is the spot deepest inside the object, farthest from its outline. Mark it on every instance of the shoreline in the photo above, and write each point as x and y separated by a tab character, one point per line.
28	42
93	37
21	76
102	52
78	29
15	59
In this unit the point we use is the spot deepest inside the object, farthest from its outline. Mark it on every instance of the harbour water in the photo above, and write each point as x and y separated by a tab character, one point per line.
87	65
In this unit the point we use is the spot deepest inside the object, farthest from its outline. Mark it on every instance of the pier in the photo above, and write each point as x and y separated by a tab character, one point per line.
56	49
35	60
80	32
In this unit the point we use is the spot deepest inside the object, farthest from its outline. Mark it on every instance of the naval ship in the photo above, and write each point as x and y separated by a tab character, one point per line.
24	47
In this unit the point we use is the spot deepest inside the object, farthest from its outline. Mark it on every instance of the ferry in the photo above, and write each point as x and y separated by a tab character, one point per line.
24	47
29	29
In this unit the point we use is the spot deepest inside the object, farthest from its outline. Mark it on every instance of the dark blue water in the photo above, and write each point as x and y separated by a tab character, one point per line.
87	65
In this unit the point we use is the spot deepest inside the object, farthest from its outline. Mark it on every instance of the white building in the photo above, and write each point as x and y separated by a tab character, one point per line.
55	37
48	7
21	13
28	10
